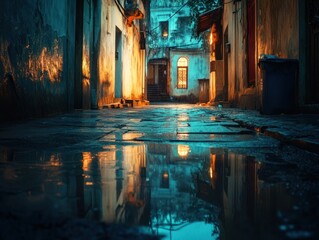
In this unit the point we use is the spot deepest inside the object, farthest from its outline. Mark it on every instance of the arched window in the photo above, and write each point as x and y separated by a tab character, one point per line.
182	72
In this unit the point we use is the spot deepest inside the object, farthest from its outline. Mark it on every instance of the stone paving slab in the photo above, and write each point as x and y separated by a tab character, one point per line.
301	130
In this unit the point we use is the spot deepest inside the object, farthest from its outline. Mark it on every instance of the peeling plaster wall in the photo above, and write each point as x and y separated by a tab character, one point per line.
278	28
132	58
133	65
43	71
35	57
87	53
229	30
277	33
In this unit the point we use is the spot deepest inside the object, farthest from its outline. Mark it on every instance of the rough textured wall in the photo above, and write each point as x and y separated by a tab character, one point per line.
104	42
87	52
132	58
180	30
133	65
33	58
198	68
277	26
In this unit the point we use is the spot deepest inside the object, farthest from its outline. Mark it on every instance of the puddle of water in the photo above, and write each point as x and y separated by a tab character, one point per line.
180	190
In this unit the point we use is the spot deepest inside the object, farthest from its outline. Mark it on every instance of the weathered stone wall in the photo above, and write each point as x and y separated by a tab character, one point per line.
35	57
277	33
59	55
129	82
278	28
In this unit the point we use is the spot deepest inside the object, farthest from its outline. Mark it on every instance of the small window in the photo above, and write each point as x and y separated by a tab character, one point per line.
182	73
164	29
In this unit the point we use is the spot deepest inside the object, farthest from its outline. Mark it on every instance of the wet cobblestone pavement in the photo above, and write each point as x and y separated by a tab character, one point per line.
160	172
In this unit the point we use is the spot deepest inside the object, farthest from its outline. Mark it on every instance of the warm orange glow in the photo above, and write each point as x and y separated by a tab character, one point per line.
87	159
212	169
131	135
85	61
183	150
55	160
182	136
183	117
213	118
211	38
50	64
4	56
214	38
165	175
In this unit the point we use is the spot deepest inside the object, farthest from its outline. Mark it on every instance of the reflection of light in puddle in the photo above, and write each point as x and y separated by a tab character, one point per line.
131	136
213	118
195	230
109	147
183	117
86	160
183	150
55	160
182	136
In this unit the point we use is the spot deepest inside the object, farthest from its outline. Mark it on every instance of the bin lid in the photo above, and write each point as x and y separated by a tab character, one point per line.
273	60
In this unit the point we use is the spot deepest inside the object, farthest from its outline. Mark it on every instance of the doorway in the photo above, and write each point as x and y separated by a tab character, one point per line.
162	77
118	63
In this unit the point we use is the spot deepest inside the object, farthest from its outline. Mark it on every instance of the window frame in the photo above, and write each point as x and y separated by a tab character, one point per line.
182	67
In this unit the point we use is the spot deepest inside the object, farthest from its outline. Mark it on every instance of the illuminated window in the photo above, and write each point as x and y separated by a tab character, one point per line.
164	29
183	150
182	73
165	180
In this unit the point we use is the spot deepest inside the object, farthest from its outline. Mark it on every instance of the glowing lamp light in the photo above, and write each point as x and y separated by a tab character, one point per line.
87	159
165	34
165	175
183	150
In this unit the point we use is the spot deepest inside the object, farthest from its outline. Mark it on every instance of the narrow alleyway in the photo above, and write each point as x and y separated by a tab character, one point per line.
173	171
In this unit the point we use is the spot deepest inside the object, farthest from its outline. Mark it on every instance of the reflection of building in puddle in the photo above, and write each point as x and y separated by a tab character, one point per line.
122	194
132	135
55	160
245	200
172	170
182	117
182	150
226	181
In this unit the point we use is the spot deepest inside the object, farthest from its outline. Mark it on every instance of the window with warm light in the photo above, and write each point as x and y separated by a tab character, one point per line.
164	29
182	73
183	150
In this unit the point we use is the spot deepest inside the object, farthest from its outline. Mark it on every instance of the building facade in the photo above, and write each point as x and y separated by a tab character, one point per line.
177	59
57	56
248	31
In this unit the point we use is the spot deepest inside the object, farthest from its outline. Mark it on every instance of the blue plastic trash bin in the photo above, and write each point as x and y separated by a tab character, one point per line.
279	81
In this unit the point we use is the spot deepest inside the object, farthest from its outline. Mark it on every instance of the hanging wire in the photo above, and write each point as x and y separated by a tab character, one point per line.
171	15
196	1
